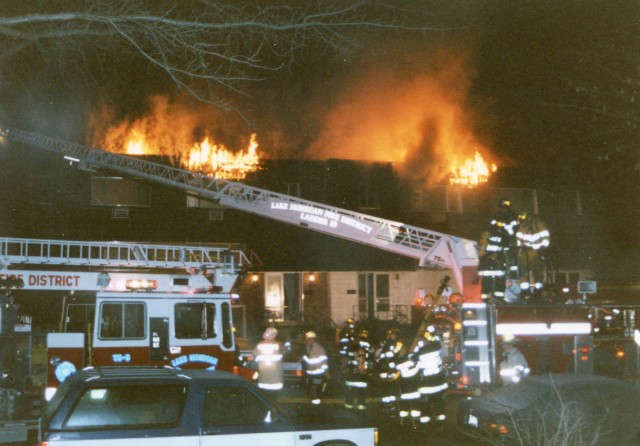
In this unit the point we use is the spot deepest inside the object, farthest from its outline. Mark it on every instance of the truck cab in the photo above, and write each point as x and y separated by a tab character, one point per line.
182	330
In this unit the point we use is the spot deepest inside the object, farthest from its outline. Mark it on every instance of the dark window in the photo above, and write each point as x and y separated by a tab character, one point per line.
382	292
79	316
233	406
195	320
120	320
136	406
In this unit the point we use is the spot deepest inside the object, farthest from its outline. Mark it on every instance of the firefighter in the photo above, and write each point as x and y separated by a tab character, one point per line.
409	410
386	362
433	377
315	365
359	362
533	240
444	291
345	337
496	249
268	354
513	366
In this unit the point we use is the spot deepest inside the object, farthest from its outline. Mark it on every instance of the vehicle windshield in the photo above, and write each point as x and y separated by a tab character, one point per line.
134	406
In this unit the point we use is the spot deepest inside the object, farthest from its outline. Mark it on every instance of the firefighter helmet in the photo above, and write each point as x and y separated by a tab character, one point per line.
310	335
270	334
363	334
522	215
350	323
509	339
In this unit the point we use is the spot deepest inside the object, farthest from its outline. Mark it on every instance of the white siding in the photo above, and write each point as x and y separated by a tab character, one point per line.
403	289
343	302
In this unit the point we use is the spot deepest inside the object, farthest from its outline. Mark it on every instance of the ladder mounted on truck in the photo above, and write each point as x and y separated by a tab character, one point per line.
224	262
428	247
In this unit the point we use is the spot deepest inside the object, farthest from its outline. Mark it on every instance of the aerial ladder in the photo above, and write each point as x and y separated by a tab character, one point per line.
430	248
204	266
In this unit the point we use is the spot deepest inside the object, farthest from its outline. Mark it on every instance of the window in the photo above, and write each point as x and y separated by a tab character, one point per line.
382	292
274	295
293	189
234	406
195	320
138	406
119	320
79	316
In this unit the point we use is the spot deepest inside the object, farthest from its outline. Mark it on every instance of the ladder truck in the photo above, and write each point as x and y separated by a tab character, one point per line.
144	304
430	248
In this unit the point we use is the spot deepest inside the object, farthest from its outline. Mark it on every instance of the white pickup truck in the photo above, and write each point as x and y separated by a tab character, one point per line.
162	406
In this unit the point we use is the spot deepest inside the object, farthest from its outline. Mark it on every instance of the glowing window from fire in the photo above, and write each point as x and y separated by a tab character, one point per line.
473	172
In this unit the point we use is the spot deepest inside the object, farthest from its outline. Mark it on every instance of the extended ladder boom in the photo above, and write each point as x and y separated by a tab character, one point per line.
428	247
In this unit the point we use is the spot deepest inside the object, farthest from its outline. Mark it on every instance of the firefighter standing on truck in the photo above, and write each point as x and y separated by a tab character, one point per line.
315	365
358	367
496	251
533	240
387	358
268	355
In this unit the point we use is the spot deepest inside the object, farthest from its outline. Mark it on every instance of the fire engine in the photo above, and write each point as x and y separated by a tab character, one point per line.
182	319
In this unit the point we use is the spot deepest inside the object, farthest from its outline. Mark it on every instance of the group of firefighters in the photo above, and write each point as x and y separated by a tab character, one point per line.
412	381
513	258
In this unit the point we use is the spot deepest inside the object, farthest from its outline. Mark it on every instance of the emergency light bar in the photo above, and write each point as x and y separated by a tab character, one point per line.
140	285
557	328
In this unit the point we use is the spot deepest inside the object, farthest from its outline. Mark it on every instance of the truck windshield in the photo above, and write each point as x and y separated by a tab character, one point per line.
195	320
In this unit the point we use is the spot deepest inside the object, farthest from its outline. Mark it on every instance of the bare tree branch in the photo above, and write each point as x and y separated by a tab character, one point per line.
205	47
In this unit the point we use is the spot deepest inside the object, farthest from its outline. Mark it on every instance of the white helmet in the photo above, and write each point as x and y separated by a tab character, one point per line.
310	335
270	334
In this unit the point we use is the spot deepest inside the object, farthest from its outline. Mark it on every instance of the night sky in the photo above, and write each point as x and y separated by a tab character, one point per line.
553	84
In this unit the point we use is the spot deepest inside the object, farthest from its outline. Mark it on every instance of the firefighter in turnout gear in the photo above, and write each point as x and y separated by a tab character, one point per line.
423	382
433	377
268	355
514	365
387	358
496	251
315	365
357	370
409	408
345	337
533	239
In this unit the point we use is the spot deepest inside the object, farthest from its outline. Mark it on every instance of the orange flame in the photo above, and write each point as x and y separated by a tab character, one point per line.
215	159
473	172
205	157
168	131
